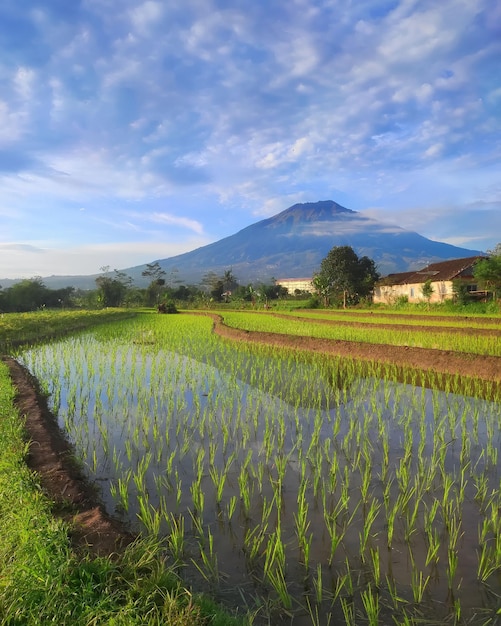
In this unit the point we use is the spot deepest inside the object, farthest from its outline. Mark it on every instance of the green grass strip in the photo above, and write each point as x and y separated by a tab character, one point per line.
403	320
484	345
42	580
22	328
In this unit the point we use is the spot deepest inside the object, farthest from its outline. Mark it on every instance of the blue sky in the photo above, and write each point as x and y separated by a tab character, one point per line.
132	131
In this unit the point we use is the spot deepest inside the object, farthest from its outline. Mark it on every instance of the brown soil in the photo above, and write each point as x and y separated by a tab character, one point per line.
486	368
51	457
450	330
77	501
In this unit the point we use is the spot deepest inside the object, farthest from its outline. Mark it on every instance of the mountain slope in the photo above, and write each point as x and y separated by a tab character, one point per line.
292	244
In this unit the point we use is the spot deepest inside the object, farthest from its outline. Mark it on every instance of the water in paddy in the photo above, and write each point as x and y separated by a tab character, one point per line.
304	492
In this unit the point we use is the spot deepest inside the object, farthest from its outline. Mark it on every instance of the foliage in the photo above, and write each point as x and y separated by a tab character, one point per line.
344	276
403	335
427	290
112	291
157	284
460	291
167	306
31	294
220	288
313	303
356	458
22	328
488	271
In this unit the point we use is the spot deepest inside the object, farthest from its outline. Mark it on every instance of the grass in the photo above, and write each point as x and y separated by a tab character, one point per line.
22	328
405	319
42	580
403	336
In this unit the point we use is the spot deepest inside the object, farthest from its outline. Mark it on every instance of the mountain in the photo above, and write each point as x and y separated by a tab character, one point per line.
292	244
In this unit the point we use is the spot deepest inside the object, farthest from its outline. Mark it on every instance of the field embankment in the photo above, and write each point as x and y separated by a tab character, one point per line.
449	361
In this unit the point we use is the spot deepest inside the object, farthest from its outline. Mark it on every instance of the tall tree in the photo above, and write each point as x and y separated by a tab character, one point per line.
157	284
27	295
488	271
220	287
154	271
343	275
112	291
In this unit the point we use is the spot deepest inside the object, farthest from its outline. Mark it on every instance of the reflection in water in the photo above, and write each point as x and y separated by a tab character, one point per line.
289	479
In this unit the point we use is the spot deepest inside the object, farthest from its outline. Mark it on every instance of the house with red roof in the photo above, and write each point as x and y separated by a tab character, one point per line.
442	277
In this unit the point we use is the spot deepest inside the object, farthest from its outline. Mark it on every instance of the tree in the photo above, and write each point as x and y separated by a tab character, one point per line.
27	295
220	287
345	276
488	271
157	284
427	290
154	271
460	291
112	291
322	285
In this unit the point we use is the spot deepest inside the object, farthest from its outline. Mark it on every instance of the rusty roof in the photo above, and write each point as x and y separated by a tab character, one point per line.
443	270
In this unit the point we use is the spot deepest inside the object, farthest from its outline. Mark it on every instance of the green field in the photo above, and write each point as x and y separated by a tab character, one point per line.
293	487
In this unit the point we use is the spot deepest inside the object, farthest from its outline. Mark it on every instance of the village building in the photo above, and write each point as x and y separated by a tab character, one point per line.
442	277
296	284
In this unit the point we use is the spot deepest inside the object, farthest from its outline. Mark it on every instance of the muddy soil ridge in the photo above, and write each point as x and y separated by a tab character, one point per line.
486	368
51	457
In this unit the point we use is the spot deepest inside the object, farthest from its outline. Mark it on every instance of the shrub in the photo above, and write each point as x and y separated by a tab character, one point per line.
167	307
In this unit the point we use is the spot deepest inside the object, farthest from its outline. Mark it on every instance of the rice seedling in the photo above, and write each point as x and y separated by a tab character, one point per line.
176	540
208	565
419	584
369	519
405	335
370	601
348	608
274	568
331	464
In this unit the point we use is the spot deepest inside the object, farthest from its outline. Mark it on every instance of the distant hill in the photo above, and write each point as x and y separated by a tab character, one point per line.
292	244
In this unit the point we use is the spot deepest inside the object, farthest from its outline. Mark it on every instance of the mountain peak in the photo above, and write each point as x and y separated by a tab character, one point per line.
311	212
294	242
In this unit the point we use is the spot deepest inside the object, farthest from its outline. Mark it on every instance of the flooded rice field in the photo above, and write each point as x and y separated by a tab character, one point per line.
293	487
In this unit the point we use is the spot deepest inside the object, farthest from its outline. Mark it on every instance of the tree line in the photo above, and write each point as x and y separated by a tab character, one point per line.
116	289
343	279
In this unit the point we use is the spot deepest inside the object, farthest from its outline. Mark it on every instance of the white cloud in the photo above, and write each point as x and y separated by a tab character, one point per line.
28	260
434	150
12	123
23	82
174	220
145	15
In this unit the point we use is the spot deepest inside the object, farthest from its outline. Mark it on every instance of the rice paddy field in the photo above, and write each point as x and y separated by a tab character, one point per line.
298	487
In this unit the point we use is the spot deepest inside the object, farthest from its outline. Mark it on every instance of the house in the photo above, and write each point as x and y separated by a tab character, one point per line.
293	284
442	276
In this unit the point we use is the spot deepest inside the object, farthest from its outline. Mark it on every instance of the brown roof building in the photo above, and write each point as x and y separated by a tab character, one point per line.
441	275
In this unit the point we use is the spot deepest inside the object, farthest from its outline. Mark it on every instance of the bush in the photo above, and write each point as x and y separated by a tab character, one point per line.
401	302
167	307
313	303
